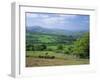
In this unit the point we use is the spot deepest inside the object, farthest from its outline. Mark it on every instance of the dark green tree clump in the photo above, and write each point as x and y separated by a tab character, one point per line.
81	47
39	47
60	47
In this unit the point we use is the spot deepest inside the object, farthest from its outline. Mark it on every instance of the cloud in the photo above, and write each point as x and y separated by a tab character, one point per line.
59	21
43	16
31	15
53	20
68	16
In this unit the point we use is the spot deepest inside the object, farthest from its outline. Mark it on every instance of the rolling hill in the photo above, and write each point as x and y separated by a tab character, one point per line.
37	34
39	29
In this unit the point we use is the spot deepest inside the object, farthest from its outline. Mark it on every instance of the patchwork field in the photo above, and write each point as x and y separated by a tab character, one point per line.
57	39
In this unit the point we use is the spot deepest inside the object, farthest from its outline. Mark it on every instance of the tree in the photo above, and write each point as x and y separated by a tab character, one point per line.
43	47
81	46
29	47
40	47
68	49
60	47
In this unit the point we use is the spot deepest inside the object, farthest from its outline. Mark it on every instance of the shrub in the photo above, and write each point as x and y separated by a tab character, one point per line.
60	47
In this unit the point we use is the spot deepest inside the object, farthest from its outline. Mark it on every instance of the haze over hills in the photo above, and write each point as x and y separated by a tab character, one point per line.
39	29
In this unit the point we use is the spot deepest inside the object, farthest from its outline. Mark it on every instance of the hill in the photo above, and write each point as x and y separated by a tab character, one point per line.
39	29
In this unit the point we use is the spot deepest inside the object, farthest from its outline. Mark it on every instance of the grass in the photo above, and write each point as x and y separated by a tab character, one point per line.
35	54
32	59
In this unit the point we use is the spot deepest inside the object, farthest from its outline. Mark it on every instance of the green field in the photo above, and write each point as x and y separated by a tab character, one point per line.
54	50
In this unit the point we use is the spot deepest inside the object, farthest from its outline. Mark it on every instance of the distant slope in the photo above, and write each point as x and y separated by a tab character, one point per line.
38	29
32	38
37	34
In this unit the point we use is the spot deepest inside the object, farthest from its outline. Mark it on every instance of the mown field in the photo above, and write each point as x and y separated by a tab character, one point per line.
33	60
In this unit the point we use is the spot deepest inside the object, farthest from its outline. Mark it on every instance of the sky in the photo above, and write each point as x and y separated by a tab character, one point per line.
58	21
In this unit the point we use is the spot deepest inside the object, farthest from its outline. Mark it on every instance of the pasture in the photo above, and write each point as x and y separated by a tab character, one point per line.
33	59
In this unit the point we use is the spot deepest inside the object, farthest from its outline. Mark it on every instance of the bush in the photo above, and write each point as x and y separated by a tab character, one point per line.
67	52
40	47
49	49
60	47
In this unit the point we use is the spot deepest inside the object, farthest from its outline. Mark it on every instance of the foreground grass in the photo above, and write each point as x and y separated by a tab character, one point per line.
35	62
32	59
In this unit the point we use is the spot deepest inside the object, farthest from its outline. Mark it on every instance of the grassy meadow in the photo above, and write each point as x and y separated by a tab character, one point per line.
60	59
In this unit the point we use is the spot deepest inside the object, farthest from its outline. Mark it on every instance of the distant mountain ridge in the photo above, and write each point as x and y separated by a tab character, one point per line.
39	29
